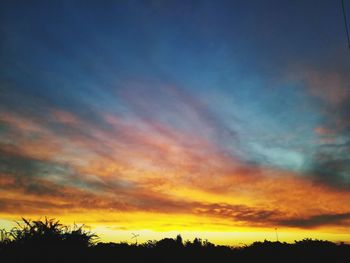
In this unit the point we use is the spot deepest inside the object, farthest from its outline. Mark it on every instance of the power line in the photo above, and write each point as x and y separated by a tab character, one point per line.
346	23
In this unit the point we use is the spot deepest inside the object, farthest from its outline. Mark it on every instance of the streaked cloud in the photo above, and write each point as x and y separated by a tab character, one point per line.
319	220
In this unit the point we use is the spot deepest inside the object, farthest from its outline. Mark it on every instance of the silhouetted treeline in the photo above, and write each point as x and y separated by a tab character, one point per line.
49	241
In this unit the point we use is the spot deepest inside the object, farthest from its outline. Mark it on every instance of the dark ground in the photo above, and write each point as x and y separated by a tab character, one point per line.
49	241
170	250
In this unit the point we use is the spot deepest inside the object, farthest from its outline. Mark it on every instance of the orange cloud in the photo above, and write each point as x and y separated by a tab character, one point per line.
150	168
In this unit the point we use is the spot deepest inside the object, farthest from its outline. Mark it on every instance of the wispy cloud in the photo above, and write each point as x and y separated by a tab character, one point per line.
318	220
144	165
326	84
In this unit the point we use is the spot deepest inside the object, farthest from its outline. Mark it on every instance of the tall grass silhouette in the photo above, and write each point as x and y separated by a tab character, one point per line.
48	232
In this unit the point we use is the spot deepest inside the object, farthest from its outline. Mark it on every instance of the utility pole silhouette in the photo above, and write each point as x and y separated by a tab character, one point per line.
134	236
276	234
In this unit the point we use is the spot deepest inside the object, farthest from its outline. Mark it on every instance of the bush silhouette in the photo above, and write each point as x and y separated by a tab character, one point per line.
40	240
48	232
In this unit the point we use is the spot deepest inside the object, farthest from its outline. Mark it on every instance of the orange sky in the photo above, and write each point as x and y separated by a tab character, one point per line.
159	185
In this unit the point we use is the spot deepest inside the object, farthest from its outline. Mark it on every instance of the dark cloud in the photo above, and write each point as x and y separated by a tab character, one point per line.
338	146
18	166
49	178
240	213
317	220
327	83
47	195
331	170
21	175
37	194
24	206
21	166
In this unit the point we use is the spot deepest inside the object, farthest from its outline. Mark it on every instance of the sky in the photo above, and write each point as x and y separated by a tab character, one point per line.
226	120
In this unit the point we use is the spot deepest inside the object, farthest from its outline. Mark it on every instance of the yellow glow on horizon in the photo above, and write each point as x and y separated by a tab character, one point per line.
117	227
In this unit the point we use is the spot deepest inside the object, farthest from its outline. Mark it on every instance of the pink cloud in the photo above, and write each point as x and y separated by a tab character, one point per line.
323	131
65	117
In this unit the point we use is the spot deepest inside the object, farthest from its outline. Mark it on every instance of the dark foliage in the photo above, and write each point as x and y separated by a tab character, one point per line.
49	241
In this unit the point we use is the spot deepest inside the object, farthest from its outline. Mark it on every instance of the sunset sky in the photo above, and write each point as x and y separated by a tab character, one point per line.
226	120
